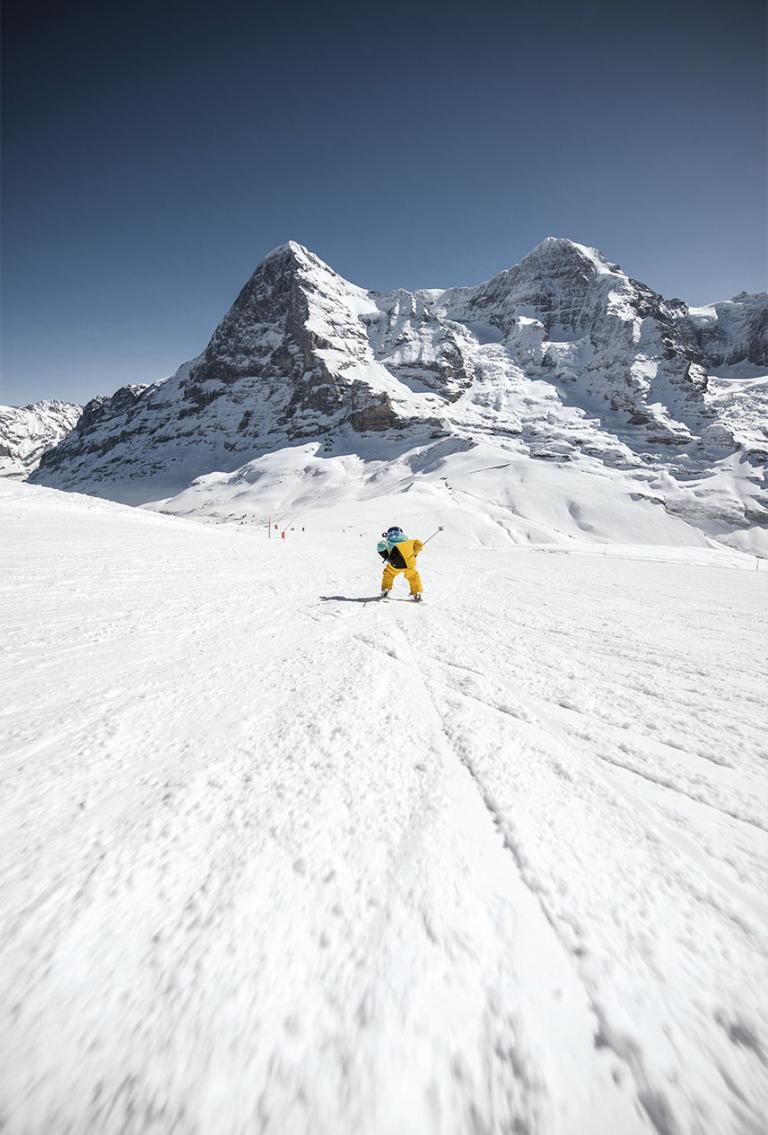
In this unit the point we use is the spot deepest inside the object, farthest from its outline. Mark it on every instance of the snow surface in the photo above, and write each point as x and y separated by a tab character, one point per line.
495	495
282	859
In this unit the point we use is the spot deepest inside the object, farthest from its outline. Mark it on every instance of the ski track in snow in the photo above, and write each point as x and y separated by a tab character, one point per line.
278	862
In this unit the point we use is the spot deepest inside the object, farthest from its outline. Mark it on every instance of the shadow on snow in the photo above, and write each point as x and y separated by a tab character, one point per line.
350	598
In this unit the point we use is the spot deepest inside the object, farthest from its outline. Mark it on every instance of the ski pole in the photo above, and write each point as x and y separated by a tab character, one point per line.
440	529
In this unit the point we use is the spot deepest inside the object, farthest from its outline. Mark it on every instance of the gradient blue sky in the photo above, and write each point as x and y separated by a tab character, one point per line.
154	152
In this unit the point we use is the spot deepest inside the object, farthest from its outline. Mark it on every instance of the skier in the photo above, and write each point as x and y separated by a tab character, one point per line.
400	555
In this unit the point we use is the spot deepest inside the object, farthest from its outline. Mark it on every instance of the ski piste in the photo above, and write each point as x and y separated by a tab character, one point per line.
518	836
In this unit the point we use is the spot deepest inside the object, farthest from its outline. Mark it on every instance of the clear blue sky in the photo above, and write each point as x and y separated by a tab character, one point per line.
154	152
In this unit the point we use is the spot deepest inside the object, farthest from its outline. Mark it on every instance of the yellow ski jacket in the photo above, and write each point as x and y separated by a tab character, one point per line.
403	554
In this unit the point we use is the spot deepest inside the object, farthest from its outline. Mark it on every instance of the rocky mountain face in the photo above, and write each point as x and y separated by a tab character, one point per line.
563	358
28	432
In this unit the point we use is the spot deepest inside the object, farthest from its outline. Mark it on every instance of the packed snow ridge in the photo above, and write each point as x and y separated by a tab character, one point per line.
639	402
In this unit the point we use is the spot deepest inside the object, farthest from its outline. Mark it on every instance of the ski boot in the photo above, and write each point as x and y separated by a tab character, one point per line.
384	593
416	597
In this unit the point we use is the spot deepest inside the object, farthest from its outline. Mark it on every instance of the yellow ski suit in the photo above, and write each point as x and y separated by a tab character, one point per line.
405	552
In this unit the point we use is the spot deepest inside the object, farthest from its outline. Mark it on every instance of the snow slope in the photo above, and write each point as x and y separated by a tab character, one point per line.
27	432
282	859
496	496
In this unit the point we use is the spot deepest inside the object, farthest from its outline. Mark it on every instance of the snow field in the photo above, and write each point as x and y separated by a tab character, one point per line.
281	860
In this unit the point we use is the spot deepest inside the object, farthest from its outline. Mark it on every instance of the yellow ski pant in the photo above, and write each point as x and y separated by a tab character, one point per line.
411	574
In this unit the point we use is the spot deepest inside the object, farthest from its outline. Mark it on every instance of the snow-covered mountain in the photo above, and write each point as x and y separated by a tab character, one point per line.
561	359
27	432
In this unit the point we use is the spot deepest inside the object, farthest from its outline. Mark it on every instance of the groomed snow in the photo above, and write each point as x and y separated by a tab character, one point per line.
279	859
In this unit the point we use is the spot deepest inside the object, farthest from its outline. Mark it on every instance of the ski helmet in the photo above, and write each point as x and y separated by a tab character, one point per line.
394	531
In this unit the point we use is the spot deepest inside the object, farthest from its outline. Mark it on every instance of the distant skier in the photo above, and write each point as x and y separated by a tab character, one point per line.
400	555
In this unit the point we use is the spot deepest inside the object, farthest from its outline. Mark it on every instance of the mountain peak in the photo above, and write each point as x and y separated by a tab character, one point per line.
292	259
291	250
560	248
